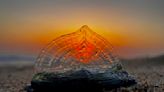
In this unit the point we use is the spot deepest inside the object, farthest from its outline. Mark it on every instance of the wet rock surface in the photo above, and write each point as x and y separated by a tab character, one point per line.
81	80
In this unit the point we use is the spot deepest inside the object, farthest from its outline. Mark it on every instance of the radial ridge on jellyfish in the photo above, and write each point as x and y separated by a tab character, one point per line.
83	48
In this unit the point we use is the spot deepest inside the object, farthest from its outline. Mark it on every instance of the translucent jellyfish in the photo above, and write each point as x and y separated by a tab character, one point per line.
82	49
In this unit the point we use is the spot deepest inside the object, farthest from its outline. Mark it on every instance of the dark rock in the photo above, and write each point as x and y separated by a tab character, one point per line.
81	80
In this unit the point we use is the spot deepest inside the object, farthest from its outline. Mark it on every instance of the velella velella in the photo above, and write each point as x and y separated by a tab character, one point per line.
78	62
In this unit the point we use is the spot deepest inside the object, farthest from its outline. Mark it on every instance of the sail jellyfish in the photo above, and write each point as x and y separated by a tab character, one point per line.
82	49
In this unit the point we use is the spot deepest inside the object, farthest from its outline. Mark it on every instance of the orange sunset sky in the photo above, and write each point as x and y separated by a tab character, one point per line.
134	27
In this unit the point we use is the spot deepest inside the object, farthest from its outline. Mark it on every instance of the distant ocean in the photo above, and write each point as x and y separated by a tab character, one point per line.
12	58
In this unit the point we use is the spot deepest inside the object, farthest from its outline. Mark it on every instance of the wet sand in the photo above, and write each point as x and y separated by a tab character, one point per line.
15	76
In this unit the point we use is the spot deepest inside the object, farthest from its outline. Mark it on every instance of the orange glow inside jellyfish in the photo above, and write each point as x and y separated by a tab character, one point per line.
84	52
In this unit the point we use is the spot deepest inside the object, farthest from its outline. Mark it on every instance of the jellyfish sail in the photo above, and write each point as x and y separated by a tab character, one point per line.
83	48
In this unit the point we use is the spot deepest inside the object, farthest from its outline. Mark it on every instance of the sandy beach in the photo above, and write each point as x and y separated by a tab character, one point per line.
14	76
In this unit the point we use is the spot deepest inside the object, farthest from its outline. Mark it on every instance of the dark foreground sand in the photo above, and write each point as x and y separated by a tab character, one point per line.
15	76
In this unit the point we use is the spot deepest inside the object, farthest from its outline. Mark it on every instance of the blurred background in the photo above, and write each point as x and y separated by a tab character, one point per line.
135	28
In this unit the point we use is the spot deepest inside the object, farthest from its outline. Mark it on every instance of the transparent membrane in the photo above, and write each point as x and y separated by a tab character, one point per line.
83	49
